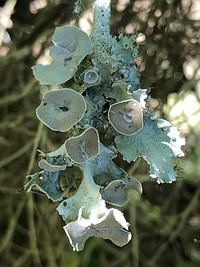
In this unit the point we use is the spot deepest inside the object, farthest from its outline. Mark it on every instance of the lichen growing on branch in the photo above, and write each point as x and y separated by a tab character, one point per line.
100	99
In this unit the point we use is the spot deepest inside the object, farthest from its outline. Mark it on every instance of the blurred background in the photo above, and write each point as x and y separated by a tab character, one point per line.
165	219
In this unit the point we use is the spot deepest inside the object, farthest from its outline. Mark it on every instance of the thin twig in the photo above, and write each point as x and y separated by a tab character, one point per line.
12	98
32	232
30	204
17	154
11	226
34	151
133	199
182	219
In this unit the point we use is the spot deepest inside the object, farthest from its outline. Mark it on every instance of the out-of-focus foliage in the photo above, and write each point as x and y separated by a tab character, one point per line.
168	36
190	264
165	222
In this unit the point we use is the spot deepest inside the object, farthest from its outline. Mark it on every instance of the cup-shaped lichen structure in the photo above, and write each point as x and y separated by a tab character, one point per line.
126	116
83	147
71	46
91	77
61	109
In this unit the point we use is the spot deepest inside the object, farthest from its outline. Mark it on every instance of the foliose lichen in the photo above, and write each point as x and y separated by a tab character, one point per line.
105	113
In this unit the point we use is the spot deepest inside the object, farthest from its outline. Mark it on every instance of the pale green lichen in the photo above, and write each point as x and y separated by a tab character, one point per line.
87	196
83	147
71	46
112	225
105	113
114	193
158	143
91	77
59	111
126	117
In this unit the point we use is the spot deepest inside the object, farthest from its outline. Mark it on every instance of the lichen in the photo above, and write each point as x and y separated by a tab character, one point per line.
158	143
58	109
71	45
104	113
115	194
126	117
112	225
83	147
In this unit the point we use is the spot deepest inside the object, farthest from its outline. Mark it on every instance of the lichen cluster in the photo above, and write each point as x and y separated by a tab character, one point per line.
105	113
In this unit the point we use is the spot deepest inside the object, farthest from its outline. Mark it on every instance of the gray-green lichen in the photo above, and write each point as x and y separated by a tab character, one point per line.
71	46
59	111
105	113
158	143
